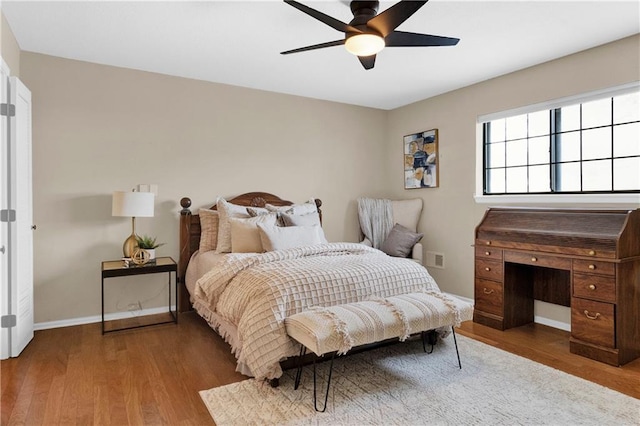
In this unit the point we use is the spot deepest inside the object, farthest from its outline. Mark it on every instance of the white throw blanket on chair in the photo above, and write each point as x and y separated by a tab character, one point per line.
376	219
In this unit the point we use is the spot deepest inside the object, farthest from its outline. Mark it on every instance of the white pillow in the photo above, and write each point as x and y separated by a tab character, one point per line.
245	236
308	219
226	210
282	238
304	208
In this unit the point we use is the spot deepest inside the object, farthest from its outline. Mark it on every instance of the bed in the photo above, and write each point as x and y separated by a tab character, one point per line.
245	296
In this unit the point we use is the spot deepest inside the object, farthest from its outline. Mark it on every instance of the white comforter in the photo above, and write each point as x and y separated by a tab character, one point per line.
256	292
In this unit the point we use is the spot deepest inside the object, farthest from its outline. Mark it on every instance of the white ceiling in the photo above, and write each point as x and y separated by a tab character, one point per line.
238	42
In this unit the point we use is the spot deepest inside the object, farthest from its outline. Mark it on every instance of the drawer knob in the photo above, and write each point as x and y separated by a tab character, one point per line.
592	286
487	291
487	269
534	259
591	317
592	252
487	253
488	243
592	267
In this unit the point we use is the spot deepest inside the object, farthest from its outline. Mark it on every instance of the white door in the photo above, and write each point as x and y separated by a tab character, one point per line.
4	279
20	231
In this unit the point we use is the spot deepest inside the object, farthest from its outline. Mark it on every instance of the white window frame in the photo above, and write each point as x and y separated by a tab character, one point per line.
630	199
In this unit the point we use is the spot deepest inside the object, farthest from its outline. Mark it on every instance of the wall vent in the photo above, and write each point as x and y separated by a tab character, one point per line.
435	259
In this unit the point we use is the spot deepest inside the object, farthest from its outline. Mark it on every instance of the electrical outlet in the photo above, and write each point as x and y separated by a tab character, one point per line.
148	187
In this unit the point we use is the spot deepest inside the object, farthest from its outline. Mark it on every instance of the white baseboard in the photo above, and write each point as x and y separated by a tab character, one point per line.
98	318
537	318
128	314
464	299
552	323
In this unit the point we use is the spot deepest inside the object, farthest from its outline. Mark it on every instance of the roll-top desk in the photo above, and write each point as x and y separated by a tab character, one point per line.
586	259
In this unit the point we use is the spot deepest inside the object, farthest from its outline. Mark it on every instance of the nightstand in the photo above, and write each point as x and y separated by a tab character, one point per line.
116	268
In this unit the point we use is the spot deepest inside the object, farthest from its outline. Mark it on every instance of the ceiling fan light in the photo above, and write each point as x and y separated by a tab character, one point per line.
364	44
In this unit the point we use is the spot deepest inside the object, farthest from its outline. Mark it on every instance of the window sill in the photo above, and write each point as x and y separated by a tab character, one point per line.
620	200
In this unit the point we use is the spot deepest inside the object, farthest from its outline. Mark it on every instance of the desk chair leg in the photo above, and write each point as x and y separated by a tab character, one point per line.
326	395
456	343
303	351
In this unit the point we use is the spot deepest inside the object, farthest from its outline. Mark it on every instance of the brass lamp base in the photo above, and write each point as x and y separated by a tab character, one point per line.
130	245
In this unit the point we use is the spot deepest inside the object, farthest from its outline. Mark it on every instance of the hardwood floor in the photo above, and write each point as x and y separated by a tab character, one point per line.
152	376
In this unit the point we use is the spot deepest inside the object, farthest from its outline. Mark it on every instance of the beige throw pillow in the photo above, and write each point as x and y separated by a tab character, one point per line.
245	235
208	230
227	210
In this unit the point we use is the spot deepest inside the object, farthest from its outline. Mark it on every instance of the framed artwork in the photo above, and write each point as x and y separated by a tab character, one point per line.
421	160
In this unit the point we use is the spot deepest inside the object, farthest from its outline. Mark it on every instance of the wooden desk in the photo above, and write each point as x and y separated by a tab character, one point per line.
586	259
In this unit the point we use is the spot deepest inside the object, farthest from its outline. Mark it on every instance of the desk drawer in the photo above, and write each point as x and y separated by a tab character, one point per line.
489	253
593	322
489	297
489	269
594	267
597	287
537	260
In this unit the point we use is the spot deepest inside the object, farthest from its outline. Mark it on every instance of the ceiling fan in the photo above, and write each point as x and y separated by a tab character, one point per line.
368	33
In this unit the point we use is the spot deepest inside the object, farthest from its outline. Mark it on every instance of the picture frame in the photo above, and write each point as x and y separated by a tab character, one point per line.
421	160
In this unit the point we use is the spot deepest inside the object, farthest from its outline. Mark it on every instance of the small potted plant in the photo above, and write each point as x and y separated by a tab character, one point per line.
148	244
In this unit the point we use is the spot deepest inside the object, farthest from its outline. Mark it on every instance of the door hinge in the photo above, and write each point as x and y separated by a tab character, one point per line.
8	110
7	215
8	321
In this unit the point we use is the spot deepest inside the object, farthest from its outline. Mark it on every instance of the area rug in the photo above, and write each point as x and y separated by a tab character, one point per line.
402	385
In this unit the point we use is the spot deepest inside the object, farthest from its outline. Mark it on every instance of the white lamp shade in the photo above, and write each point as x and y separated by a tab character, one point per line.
132	204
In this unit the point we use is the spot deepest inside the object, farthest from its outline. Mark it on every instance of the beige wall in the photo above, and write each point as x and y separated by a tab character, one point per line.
9	49
97	129
451	213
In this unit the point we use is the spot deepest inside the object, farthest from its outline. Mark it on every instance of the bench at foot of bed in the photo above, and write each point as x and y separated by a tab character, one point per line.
337	329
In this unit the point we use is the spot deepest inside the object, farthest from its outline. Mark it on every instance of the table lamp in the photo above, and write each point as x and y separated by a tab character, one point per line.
132	204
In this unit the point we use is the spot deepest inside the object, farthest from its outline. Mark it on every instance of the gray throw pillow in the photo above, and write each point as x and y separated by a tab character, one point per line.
400	241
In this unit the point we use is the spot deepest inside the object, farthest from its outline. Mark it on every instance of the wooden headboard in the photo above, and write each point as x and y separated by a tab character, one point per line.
190	232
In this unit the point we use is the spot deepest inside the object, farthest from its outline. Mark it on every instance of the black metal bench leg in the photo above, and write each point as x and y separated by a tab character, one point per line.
456	343
303	351
326	395
427	335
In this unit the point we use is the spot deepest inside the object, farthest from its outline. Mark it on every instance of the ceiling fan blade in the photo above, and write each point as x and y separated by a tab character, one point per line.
401	38
367	61
330	21
314	47
389	20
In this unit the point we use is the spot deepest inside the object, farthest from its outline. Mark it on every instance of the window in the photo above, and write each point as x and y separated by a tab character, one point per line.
587	145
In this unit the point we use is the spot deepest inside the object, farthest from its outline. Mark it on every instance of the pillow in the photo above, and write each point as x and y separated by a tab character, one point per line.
245	236
282	238
208	230
257	211
400	241
304	208
308	219
226	210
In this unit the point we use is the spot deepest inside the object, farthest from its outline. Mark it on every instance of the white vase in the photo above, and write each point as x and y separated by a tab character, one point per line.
152	253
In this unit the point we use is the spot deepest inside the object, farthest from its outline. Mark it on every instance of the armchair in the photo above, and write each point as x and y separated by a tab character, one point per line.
378	219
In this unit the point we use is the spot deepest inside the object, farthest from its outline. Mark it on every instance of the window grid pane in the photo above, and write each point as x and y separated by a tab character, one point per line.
592	147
